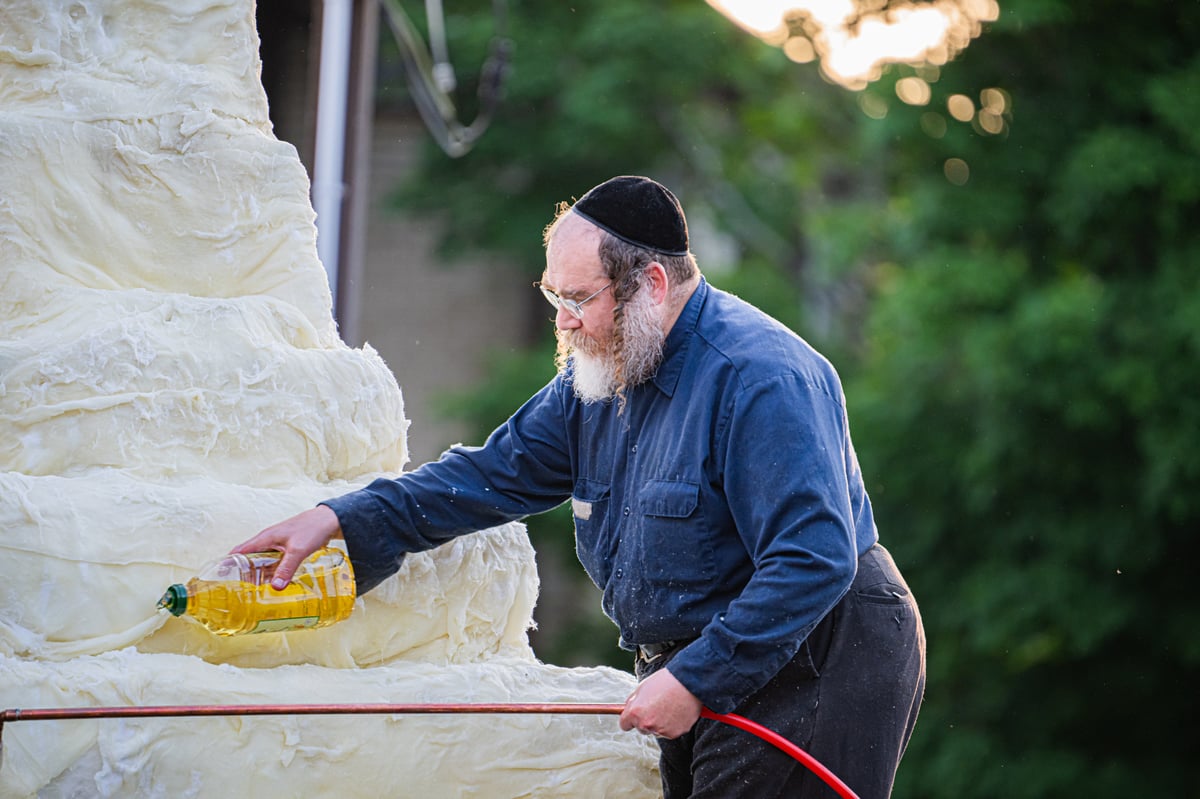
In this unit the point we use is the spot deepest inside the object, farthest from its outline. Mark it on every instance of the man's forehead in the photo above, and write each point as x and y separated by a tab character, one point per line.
573	256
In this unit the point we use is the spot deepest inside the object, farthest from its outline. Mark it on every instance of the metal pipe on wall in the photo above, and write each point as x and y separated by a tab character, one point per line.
329	157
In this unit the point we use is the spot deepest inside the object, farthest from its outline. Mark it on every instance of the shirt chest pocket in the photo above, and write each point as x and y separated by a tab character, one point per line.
676	542
594	543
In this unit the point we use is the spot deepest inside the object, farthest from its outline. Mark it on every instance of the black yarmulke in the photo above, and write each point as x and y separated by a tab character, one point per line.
638	211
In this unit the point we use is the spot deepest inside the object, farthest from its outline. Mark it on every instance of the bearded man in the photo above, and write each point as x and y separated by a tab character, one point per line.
718	505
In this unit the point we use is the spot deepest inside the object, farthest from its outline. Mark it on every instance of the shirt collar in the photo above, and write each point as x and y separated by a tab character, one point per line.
678	340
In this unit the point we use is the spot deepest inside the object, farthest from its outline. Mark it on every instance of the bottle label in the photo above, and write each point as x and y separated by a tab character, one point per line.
283	625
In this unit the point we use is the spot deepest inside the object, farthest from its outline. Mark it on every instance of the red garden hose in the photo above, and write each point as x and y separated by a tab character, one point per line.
742	723
778	741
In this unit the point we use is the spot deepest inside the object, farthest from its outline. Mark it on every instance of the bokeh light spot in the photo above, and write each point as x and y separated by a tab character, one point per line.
799	49
872	105
914	91
956	171
934	124
990	122
995	101
960	107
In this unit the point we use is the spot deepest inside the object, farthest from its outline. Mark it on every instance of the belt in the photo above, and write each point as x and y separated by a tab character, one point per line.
652	652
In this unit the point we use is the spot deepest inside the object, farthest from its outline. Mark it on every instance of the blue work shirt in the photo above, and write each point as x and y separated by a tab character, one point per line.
724	504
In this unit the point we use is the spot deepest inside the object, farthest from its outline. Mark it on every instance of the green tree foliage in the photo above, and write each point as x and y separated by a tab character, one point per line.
1020	344
1027	405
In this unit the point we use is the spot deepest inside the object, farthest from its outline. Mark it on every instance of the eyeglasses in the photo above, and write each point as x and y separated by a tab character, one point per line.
575	308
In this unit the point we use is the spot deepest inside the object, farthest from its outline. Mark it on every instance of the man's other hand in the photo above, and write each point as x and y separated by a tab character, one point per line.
661	706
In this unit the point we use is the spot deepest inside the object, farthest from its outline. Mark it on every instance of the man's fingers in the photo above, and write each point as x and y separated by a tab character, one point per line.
634	716
286	568
628	713
297	538
630	721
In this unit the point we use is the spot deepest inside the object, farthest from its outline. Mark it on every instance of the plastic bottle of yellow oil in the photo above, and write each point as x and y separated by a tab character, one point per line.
234	596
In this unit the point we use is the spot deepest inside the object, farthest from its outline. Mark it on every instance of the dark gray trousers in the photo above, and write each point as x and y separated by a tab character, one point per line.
849	698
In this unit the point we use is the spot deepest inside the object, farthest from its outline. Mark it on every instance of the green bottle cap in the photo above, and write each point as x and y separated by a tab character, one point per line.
175	599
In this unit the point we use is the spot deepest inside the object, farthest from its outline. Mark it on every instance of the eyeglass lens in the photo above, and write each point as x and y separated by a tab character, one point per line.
573	307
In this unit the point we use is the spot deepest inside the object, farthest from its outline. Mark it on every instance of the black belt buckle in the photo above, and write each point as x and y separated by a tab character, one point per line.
652	652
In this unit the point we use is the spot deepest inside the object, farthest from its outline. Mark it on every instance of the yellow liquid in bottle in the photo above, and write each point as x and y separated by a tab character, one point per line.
243	602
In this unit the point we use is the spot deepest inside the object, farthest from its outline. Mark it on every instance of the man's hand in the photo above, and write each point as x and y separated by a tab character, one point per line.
661	706
297	538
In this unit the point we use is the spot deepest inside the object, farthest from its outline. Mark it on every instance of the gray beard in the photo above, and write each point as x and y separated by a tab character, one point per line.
601	370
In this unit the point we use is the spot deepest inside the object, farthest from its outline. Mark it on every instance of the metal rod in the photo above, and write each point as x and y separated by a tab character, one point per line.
49	713
149	711
152	711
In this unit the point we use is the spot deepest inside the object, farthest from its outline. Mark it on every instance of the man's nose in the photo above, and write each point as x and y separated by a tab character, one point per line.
565	320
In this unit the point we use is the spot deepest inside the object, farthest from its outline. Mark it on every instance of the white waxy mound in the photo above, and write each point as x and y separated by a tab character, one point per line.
172	381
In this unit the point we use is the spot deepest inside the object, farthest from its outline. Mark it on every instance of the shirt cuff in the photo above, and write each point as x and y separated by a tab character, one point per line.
374	555
717	685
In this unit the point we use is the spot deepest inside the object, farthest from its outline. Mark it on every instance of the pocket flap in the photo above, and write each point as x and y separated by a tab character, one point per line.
674	499
590	490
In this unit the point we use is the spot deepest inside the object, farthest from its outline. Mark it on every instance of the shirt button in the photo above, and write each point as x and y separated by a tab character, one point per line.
626	510
633	448
619	573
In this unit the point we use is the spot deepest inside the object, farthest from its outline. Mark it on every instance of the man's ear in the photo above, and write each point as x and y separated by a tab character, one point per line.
660	284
